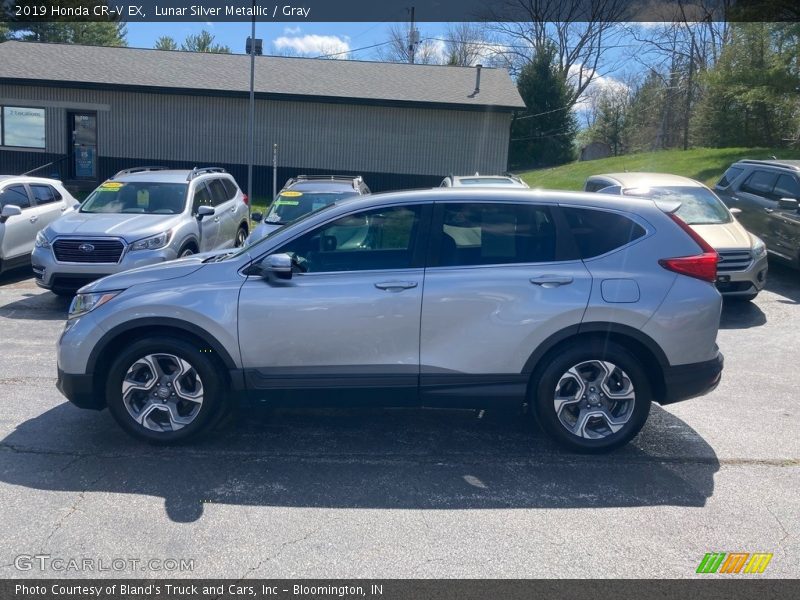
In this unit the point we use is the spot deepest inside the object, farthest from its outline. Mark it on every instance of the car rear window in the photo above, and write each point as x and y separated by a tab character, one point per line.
597	232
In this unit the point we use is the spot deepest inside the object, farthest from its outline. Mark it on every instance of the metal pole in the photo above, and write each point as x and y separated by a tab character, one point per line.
412	47
274	171
251	141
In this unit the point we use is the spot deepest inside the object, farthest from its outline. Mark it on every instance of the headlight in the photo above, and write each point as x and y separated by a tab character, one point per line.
83	303
41	241
758	248
152	243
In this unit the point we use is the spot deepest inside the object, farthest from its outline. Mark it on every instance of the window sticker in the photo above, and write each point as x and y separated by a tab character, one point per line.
143	198
287	203
112	186
291	194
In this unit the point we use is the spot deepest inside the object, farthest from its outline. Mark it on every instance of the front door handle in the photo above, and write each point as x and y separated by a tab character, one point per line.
551	281
768	210
396	286
34	219
216	219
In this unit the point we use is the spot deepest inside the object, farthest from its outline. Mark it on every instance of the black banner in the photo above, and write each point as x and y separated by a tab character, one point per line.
398	10
392	589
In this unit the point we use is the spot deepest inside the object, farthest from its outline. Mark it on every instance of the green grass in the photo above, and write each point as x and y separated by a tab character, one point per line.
703	164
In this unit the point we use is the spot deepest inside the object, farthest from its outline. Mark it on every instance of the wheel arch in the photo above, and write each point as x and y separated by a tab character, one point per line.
643	346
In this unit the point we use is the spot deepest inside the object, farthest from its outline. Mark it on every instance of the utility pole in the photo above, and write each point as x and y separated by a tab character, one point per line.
413	39
688	96
274	171
251	138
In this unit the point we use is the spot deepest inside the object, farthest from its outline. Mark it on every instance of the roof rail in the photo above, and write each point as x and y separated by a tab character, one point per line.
203	171
773	162
356	179
138	170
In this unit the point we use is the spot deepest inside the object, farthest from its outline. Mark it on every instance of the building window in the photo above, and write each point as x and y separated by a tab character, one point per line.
23	127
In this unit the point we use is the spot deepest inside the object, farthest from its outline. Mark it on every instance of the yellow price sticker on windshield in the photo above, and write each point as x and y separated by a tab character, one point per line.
111	185
291	194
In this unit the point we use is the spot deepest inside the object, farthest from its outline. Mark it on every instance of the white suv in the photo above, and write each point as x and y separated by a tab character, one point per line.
27	204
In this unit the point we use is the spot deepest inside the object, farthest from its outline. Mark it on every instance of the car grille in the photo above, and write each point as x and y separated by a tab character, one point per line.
733	260
88	251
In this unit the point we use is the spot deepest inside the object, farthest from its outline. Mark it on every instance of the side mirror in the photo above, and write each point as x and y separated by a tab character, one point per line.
277	266
10	210
735	211
205	211
787	204
257	217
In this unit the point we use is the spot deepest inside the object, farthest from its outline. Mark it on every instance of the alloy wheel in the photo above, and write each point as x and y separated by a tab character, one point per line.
594	399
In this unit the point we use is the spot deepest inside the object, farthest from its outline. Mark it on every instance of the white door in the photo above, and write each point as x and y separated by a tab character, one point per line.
19	232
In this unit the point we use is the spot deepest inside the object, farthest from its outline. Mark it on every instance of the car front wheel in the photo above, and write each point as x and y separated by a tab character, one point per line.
164	390
592	398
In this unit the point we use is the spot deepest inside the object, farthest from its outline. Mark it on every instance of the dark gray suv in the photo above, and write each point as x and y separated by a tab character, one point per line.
766	192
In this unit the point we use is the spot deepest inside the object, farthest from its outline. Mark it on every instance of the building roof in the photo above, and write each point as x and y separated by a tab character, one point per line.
275	77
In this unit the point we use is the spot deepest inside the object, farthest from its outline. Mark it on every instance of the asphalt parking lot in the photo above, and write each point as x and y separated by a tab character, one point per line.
392	494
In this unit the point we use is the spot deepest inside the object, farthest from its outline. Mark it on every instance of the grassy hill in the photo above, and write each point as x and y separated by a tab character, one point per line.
703	164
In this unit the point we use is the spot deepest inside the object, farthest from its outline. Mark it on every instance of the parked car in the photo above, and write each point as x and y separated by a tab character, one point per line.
140	217
767	193
27	204
478	180
742	268
304	194
585	307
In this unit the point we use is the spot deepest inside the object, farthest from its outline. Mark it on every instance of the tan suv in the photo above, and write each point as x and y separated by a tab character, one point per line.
742	268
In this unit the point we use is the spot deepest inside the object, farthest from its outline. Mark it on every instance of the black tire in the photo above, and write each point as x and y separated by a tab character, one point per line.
543	390
212	409
187	250
241	237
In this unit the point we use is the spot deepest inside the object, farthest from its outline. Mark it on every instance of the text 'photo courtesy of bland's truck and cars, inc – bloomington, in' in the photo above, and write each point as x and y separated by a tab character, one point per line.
421	301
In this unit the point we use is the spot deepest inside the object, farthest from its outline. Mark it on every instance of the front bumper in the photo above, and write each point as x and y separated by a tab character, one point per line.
682	382
69	277
80	390
744	283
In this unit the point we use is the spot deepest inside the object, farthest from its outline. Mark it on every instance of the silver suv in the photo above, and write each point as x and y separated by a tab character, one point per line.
140	217
583	307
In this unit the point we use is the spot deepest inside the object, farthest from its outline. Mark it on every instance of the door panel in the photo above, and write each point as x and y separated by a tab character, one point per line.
225	211
19	232
754	198
209	226
83	129
48	208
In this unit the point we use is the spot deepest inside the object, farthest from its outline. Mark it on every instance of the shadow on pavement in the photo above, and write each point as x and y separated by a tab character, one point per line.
392	459
784	281
741	315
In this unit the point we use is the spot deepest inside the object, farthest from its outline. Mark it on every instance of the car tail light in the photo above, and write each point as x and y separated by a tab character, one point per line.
701	266
245	199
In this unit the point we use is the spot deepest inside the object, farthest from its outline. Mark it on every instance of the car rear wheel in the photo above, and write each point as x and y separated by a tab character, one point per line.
592	398
164	390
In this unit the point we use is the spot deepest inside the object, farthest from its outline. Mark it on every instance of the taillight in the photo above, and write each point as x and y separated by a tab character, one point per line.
245	199
701	266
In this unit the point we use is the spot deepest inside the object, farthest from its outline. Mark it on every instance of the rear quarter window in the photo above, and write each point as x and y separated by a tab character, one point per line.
729	175
598	232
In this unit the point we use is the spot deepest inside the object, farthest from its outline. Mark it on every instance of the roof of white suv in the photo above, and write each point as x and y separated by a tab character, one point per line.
642	179
165	175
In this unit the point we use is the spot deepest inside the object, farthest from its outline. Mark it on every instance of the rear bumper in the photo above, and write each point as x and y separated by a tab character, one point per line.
682	382
79	389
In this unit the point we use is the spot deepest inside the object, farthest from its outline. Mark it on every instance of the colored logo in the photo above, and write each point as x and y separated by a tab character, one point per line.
734	562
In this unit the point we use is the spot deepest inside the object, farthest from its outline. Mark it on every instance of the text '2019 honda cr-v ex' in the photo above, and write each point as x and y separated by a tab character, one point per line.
585	308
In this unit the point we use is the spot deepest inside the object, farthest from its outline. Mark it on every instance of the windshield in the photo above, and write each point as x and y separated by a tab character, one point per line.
699	205
290	205
140	197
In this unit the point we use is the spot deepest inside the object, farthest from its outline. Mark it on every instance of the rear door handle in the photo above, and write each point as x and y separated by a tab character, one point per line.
216	219
396	286
551	281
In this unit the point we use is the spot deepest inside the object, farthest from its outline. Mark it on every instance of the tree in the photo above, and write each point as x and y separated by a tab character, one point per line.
544	134
612	112
103	33
426	52
166	42
203	42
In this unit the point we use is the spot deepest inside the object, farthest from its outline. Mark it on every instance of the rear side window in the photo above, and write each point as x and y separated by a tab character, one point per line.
759	183
787	187
597	232
230	188
219	195
15	195
44	194
729	175
491	233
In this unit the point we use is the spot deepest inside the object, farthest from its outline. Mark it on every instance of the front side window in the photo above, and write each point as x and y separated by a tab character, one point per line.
370	240
759	183
597	232
16	196
492	233
202	197
290	205
699	205
23	127
155	198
